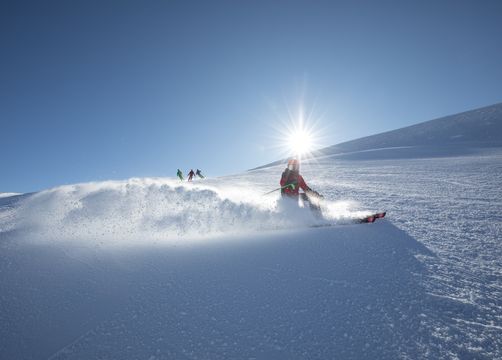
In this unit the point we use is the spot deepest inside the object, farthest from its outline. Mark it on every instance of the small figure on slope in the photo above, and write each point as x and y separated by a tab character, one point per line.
199	174
190	175
292	182
180	175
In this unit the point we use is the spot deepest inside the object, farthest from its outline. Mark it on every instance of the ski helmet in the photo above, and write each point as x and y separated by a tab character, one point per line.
293	164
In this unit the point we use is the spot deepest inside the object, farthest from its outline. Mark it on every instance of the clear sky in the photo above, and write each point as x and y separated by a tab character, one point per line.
95	90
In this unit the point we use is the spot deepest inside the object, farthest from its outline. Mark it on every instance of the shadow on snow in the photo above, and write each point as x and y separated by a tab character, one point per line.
347	292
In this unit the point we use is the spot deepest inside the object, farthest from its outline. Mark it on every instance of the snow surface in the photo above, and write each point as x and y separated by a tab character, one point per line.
158	269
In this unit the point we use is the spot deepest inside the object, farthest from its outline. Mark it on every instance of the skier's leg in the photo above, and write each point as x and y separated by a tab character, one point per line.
313	204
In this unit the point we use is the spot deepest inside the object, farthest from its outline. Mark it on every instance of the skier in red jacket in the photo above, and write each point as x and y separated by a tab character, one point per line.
292	182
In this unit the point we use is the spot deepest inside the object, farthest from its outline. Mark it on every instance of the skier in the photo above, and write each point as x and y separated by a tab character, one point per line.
199	174
180	174
190	175
291	183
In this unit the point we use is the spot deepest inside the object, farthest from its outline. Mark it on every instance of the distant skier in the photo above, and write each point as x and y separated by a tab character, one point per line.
291	183
199	174
180	174
190	175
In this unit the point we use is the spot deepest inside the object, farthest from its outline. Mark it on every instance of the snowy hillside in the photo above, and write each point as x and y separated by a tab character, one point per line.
4	195
466	133
480	127
158	269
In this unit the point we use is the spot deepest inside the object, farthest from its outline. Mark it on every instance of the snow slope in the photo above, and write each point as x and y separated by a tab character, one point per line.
312	293
158	269
423	284
481	127
467	133
4	195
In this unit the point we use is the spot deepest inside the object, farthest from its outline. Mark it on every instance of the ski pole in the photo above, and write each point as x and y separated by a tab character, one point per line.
291	186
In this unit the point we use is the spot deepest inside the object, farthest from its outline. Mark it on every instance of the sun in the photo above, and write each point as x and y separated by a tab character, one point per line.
300	142
298	133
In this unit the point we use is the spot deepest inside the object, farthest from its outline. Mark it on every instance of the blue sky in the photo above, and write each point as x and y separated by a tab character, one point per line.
94	90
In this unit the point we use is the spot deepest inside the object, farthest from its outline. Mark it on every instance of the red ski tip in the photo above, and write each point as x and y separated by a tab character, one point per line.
373	218
368	219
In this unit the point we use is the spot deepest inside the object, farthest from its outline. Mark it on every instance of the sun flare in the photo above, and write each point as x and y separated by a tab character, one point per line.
299	133
300	142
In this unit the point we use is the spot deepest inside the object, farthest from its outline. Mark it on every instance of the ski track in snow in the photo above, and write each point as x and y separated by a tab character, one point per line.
157	270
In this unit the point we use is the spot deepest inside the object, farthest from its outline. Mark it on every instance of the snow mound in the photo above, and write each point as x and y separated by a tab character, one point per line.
154	209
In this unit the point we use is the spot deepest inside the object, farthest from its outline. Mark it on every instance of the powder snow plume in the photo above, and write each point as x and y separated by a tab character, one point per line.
154	209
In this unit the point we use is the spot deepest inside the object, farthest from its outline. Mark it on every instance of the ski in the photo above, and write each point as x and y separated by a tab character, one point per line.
372	218
367	219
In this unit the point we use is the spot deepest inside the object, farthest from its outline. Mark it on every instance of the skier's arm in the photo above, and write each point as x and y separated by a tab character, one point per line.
306	188
303	185
284	177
